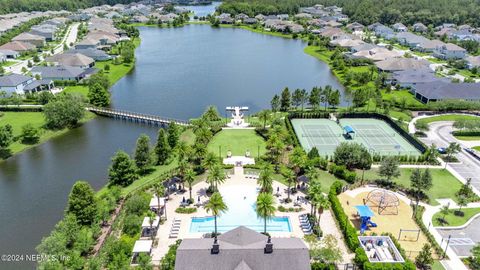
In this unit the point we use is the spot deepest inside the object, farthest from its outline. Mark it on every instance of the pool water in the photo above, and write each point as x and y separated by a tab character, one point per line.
241	212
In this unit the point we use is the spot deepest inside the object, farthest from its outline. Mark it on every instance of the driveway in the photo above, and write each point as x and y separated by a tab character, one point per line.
462	240
440	134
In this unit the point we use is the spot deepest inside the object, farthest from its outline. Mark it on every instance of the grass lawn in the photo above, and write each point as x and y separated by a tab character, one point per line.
116	72
18	119
454	220
476	148
437	266
238	141
79	89
448	117
7	63
468	138
144	180
445	185
406	116
399	95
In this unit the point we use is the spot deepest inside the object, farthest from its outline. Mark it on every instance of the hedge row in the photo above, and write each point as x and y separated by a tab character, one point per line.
290	129
349	232
308	115
342	172
351	237
466	133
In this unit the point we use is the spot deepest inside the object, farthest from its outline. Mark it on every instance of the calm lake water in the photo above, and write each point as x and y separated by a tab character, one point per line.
179	71
203	10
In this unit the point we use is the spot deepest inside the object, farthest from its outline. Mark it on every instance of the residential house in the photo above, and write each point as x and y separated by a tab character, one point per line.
377	54
473	61
347	42
46	31
250	21
450	51
241	17
355	26
282	17
332	33
363	47
409	39
399	27
36	40
441	90
18	46
260	17
9	54
38	85
303	16
430	45
97	55
374	26
87	43
384	32
398	64
461	35
420	27
71	60
412	77
59	73
242	249
3	57
225	18
14	83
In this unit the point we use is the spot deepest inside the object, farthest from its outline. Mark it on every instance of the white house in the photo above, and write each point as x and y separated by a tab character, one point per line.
450	51
14	83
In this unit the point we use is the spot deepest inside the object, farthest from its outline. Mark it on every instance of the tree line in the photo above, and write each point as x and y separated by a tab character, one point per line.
10	6
369	11
300	98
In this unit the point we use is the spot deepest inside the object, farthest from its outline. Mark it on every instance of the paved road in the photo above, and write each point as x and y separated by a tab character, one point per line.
463	240
468	167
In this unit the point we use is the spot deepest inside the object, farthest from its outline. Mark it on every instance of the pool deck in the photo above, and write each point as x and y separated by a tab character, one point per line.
238	178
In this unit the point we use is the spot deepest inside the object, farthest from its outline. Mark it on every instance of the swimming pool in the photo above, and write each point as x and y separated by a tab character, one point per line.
241	212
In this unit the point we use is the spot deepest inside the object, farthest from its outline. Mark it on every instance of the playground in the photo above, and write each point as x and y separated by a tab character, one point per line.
378	212
376	135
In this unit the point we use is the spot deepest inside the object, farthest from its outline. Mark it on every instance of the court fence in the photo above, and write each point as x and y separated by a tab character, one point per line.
414	141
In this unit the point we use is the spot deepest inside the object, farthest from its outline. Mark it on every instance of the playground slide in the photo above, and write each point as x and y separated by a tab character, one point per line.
372	224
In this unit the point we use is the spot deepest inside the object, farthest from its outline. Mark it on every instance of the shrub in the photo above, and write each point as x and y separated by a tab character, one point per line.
132	225
185	210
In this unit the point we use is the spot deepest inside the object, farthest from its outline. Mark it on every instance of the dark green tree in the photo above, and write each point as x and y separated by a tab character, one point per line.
30	134
122	171
6	136
98	96
162	148
65	110
142	155
389	168
285	100
82	203
275	103
173	134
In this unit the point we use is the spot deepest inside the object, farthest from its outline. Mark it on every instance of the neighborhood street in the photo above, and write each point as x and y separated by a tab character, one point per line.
70	37
440	134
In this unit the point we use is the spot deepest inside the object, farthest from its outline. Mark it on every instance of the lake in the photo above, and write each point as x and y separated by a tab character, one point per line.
179	71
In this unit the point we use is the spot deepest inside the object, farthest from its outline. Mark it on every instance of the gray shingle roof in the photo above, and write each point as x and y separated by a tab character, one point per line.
446	90
13	80
242	248
58	72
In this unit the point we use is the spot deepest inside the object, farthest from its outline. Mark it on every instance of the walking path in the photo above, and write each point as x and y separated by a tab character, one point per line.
106	230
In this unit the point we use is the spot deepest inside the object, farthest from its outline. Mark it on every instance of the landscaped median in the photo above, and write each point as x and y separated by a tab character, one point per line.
454	218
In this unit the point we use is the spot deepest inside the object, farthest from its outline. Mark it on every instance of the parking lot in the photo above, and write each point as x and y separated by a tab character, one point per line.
462	240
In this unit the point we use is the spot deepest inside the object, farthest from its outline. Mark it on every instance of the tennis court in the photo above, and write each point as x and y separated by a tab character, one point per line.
376	135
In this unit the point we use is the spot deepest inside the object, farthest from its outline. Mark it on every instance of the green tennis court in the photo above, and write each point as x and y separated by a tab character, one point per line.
376	135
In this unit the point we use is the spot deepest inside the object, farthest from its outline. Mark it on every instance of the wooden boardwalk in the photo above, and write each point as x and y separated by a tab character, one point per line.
137	117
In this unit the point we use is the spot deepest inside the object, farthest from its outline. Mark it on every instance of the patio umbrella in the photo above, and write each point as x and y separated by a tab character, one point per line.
278	189
198	198
183	200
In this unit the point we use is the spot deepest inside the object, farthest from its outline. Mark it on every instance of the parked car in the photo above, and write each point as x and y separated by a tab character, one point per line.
442	150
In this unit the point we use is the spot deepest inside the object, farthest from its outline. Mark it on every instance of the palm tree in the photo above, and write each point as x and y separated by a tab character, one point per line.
322	203
216	176
182	168
182	150
265	207
452	149
291	178
189	178
209	161
265	179
159	191
314	192
151	218
217	206
264	116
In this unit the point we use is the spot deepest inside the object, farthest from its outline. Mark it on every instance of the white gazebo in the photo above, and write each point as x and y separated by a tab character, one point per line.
147	230
141	246
154	203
